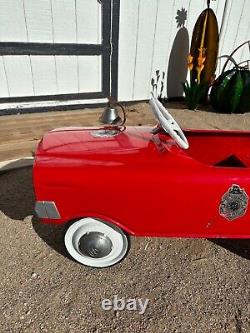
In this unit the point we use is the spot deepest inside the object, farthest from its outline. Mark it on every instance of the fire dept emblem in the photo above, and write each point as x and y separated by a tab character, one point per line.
234	203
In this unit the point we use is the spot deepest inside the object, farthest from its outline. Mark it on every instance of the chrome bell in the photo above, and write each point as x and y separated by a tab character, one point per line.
110	116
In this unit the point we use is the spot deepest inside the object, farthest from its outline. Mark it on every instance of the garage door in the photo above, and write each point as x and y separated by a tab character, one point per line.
56	49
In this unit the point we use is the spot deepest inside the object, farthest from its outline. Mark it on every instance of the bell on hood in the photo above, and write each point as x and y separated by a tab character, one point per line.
110	115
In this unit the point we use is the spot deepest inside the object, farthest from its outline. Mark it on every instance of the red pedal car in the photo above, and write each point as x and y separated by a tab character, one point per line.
108	183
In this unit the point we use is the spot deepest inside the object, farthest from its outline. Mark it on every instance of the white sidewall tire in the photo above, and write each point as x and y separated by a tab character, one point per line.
86	225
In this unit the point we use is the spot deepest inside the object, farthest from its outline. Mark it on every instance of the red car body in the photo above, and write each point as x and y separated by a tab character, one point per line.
145	184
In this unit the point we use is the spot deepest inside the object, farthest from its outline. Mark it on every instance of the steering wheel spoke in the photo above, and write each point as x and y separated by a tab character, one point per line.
168	123
174	126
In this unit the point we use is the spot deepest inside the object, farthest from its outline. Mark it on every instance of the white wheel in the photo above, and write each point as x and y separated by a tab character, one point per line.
94	243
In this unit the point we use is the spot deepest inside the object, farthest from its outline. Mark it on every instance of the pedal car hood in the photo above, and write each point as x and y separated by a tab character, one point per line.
78	141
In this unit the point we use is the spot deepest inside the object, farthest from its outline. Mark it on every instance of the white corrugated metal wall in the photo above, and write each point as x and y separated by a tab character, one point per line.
151	40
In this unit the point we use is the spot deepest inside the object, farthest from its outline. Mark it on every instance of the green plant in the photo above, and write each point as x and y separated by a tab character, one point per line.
194	93
230	93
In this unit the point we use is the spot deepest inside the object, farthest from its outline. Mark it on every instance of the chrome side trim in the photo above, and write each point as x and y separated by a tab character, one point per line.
47	210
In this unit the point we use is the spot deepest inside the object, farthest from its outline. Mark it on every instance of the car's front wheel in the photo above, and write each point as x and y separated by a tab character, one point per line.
94	243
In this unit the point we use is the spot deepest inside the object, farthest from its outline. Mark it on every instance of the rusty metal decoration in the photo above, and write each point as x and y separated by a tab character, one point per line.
204	47
234	203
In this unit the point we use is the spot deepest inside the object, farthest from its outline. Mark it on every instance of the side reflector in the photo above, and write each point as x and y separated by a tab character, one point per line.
47	210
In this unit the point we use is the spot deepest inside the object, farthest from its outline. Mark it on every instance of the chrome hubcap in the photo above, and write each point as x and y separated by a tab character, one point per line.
95	245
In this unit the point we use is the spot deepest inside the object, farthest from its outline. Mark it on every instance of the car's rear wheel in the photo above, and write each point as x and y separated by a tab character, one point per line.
95	243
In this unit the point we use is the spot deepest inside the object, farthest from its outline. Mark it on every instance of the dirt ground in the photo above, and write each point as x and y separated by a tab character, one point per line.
194	285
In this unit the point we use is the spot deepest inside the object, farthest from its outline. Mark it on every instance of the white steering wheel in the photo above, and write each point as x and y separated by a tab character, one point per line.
168	123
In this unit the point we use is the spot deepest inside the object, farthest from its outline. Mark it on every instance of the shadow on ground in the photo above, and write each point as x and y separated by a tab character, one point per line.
16	193
17	202
241	247
52	235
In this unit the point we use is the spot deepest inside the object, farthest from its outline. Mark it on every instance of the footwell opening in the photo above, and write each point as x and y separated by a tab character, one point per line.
231	161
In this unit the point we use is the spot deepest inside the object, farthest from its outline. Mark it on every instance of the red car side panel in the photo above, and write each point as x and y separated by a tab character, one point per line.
142	182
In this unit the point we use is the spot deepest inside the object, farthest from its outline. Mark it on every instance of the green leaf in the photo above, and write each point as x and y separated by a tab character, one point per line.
236	93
